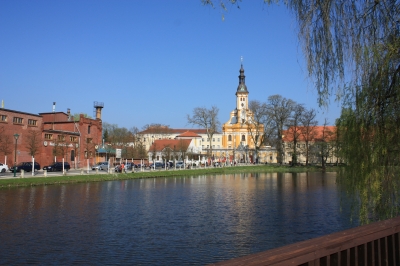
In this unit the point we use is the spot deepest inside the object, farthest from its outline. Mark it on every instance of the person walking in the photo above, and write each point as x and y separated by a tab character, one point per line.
123	168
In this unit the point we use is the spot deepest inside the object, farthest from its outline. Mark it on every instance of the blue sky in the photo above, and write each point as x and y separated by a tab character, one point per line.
148	61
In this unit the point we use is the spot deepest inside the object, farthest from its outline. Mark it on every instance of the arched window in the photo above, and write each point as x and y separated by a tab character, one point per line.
229	137
243	138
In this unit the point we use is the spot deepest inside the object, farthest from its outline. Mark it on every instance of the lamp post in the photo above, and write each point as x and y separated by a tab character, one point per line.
16	136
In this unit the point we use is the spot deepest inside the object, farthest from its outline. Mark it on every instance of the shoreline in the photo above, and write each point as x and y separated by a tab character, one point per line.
71	179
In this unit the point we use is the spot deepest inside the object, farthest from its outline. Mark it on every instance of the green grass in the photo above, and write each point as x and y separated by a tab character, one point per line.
67	179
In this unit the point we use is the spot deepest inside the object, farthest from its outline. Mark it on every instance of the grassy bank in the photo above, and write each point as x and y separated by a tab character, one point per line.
37	181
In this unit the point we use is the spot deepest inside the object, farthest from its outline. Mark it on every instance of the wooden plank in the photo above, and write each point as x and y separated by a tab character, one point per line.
313	249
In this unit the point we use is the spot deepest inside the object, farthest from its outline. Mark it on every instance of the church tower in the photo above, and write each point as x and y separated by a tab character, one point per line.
242	97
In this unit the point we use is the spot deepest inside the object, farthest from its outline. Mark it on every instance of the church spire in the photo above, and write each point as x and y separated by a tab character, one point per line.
242	84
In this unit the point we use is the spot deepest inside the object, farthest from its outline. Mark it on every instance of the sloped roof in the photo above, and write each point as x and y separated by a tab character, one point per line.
317	133
188	134
178	144
165	130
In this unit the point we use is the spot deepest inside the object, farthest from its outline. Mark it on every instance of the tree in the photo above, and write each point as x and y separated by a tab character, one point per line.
352	50
6	142
63	146
77	117
105	135
294	129
323	146
208	119
308	132
255	125
33	141
279	109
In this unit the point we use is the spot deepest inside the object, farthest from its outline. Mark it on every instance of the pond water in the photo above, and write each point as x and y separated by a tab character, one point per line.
168	221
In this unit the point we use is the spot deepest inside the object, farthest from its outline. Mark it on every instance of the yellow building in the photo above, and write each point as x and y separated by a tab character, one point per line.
241	134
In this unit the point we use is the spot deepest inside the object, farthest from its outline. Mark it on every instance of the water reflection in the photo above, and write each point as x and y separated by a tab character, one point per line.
165	221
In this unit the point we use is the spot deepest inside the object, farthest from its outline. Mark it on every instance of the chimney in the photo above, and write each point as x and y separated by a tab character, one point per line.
54	107
69	114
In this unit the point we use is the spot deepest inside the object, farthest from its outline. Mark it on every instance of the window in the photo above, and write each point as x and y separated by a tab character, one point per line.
85	154
304	145
202	146
32	122
213	139
202	139
207	146
298	145
61	137
89	140
17	120
48	136
218	139
3	118
218	146
289	145
243	138
283	145
73	139
213	146
88	130
229	137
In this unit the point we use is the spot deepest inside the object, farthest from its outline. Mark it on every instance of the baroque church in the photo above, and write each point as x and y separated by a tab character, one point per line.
235	143
240	135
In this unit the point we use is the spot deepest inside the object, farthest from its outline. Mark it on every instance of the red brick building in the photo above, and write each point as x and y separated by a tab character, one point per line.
50	136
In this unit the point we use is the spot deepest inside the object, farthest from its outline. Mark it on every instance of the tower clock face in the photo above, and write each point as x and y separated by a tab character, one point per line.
242	104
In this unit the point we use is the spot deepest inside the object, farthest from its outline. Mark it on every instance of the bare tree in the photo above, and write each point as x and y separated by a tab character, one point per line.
157	131
255	125
33	141
294	130
166	152
308	130
279	110
6	145
323	143
208	119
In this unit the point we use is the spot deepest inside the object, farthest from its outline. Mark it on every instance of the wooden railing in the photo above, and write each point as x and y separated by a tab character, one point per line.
373	244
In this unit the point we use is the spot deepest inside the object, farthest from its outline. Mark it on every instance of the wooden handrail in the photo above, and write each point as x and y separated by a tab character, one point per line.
373	244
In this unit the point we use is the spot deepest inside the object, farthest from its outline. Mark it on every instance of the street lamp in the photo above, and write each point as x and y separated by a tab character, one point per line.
16	136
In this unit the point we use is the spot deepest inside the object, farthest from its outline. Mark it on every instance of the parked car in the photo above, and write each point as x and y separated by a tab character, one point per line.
141	165
57	166
3	168
26	166
168	164
117	168
156	165
101	166
129	166
180	165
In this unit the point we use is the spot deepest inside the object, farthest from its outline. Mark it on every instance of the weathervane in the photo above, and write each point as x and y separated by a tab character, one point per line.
241	59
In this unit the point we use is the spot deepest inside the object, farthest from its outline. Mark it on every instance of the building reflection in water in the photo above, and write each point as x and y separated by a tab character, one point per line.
179	220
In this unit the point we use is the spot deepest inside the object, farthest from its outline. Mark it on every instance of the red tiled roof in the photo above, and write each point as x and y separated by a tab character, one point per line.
188	134
179	144
157	130
317	133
